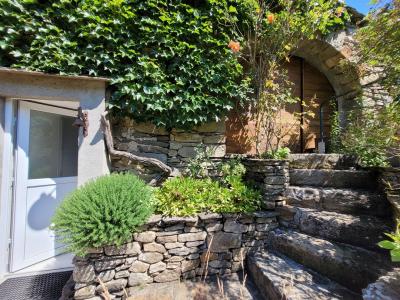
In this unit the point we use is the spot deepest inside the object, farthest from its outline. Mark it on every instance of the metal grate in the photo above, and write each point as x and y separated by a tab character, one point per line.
36	287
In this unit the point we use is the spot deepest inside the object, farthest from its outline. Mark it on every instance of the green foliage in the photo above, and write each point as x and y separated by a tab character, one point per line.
103	212
379	43
199	165
185	196
393	244
280	153
335	145
168	60
372	135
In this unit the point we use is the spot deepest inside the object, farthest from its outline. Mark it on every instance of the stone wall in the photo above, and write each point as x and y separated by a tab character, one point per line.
169	249
174	147
271	176
390	178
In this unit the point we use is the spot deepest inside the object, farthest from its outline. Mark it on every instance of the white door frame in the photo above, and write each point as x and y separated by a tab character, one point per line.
17	260
6	193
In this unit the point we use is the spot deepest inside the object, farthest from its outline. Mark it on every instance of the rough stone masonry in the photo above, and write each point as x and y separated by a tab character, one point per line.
169	249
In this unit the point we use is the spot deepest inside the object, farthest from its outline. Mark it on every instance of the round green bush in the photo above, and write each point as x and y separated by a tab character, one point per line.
103	212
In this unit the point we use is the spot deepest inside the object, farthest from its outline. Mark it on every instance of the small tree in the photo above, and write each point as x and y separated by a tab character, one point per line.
269	37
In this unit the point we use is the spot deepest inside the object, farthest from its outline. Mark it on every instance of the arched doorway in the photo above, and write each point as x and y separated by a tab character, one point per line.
310	85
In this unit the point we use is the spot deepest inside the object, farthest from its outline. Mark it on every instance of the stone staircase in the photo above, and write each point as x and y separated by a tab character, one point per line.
326	246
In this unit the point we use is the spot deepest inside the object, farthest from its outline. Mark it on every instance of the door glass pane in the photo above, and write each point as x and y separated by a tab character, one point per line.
53	145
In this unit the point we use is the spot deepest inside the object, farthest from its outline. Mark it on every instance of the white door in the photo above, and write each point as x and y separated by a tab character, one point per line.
46	171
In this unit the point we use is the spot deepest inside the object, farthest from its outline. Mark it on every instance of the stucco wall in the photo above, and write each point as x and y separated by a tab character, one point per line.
1	137
89	93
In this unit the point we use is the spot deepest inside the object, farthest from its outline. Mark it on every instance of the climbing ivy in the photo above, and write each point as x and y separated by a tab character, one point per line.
168	60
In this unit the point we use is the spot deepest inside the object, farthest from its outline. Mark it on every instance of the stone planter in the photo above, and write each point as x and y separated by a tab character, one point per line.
172	248
271	176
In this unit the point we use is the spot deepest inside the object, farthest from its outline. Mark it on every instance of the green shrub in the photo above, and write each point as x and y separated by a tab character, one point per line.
372	135
280	153
185	196
103	212
394	244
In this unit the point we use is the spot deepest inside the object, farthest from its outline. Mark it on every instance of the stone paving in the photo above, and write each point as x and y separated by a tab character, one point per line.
197	290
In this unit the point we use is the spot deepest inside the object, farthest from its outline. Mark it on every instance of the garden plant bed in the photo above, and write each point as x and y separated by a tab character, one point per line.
167	249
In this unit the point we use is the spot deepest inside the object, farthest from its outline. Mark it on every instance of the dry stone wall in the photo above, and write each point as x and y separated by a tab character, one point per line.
172	248
390	178
272	178
175	147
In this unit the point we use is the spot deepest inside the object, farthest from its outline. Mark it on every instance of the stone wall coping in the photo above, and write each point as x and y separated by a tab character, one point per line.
206	216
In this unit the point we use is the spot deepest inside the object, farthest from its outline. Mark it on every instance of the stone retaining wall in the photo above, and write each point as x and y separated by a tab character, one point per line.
172	248
174	147
271	176
390	178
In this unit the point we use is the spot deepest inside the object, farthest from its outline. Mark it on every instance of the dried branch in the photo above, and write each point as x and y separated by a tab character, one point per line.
134	158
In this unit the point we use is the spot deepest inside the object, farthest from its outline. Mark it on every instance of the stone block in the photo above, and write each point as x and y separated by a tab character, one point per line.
217	150
187	151
154	247
85	292
235	227
167	239
106	275
113	285
122	274
186	137
157	267
214	139
167	276
194	244
84	273
132	248
188	265
222	241
191	237
151	257
136	279
211	127
212	227
102	265
173	245
145	237
139	267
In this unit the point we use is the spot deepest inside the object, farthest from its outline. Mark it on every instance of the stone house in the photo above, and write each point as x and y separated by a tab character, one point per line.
42	157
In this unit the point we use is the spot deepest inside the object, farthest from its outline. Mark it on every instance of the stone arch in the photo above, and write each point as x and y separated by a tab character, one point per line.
326	56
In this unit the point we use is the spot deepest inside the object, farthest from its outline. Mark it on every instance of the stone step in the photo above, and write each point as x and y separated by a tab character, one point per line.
322	161
349	201
279	277
362	231
356	179
350	266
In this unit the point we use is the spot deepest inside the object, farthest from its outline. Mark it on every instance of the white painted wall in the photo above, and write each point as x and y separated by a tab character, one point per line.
89	93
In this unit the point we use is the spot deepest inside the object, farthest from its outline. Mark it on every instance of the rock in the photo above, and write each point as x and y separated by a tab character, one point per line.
217	150
211	127
183	251
122	274
193	229
208	256
191	237
175	227
154	220
219	264
214	139
222	241
175	259
149	128
239	254
173	245
174	220
85	292
127	264
195	244
167	276
166	233
84	273
139	267
210	217
193	256
136	279
386	287
167	239
151	257
145	237
157	267
102	265
132	248
115	250
233	226
187	137
173	265
106	275
113	286
188	265
154	247
187	151
211	227
95	250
